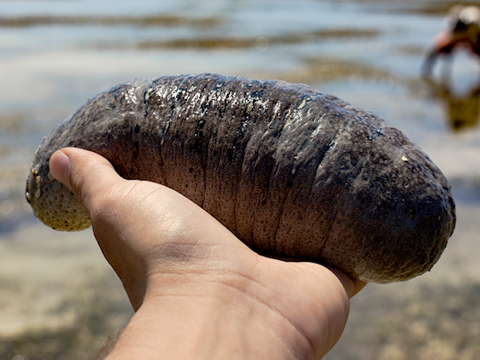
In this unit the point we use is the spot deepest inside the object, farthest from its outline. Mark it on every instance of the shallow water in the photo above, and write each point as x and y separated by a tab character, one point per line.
54	55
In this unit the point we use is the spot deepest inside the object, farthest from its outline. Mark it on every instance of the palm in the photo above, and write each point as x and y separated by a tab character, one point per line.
172	227
150	233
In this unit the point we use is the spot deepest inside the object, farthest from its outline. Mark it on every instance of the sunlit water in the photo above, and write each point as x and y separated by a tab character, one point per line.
50	67
55	58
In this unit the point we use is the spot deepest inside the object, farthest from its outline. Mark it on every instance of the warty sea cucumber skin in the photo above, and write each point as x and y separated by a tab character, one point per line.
288	169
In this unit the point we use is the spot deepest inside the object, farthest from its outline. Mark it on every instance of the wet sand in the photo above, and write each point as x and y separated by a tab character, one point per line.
259	42
156	20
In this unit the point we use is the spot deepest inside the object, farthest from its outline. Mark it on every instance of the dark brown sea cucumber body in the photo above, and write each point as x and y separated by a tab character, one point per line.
289	170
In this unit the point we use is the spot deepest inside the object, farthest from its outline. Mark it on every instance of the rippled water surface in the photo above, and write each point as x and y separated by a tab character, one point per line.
54	55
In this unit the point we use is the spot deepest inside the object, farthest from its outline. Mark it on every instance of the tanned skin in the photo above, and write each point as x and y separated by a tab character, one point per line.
198	292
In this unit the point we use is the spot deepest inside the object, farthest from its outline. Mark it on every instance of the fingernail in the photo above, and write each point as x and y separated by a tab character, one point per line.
60	166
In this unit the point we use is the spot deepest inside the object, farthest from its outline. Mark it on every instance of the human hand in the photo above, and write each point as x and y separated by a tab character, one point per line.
197	290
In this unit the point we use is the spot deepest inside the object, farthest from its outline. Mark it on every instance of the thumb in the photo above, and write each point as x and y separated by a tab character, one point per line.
74	168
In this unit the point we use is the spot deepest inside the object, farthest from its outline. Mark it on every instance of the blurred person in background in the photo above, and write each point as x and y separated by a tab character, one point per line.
462	28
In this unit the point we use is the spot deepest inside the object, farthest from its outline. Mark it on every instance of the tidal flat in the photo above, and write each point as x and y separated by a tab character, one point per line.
60	299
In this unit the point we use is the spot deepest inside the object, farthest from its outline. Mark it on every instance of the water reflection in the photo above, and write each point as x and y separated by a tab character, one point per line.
463	107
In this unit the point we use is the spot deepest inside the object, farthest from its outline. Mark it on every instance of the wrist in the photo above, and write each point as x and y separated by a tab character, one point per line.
209	316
